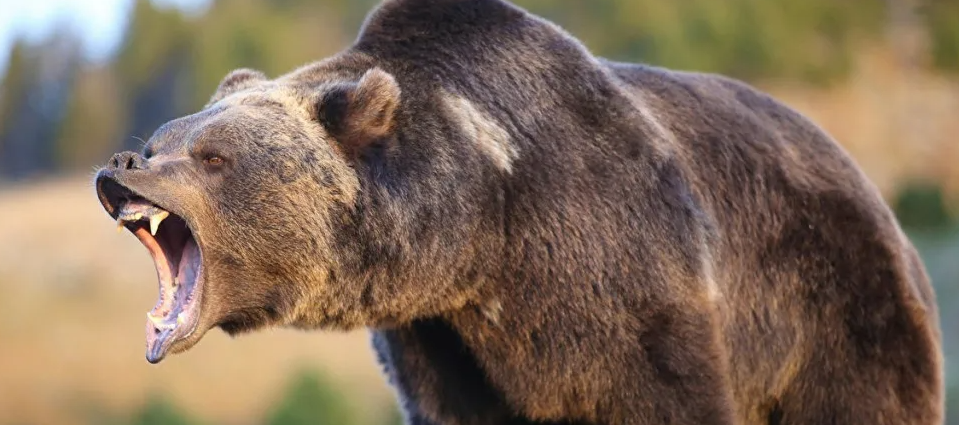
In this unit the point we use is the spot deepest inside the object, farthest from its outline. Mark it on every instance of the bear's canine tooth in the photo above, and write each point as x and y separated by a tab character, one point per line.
119	225
155	221
159	323
180	319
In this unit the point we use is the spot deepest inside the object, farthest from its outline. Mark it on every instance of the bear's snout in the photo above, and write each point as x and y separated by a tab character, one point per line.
126	161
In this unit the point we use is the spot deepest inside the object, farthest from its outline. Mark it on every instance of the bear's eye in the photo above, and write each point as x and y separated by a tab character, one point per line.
213	160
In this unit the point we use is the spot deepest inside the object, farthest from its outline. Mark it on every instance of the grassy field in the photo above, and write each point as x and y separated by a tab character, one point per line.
73	296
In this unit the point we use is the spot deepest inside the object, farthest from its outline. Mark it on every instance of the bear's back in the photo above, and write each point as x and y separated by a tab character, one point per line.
812	269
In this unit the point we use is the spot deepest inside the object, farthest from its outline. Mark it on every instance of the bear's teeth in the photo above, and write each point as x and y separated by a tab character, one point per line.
155	221
159	323
180	319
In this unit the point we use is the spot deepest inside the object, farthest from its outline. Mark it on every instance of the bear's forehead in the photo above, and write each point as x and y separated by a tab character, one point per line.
272	104
221	122
266	94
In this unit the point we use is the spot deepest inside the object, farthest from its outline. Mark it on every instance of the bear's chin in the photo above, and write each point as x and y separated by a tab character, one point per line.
244	321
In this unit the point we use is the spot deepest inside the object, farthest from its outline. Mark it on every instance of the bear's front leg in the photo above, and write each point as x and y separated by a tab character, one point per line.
636	363
675	376
680	372
435	378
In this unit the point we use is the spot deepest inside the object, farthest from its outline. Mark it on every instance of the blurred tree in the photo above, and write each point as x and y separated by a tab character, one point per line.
153	69
272	36
942	21
13	92
93	122
13	84
36	87
813	40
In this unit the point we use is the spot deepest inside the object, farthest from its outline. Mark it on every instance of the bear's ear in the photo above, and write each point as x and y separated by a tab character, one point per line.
235	81
358	114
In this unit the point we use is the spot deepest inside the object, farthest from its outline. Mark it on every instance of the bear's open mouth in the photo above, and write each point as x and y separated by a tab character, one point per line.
178	262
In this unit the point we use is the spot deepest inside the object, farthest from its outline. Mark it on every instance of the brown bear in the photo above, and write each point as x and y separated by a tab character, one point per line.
535	235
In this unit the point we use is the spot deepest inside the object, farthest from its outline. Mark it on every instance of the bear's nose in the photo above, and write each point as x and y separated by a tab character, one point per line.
127	161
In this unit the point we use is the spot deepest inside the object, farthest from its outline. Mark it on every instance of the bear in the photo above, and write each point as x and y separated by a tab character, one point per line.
534	234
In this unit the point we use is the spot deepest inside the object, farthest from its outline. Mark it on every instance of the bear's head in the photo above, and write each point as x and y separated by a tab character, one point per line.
251	209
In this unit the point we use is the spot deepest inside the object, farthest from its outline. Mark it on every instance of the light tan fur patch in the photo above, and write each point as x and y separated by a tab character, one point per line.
661	134
492	309
291	100
488	135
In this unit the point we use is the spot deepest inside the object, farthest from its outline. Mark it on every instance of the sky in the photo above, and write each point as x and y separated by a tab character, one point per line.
99	23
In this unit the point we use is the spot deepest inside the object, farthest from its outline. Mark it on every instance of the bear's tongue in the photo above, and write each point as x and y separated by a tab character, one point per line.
178	261
175	314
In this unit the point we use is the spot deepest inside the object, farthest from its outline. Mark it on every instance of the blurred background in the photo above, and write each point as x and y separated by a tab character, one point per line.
83	79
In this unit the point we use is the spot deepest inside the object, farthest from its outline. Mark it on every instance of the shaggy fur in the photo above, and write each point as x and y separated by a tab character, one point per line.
536	235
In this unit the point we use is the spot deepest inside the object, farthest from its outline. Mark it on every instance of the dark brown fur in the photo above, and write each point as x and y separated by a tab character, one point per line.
652	247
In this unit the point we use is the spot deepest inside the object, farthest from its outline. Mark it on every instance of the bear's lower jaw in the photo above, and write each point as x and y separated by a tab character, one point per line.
179	264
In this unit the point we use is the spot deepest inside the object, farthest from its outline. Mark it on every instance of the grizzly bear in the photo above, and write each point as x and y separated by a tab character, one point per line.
536	235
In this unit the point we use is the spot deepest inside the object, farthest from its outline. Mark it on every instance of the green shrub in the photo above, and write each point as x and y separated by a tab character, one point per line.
942	23
159	411
922	206
311	400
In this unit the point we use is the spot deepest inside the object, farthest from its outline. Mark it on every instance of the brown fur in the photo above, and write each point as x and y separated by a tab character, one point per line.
645	246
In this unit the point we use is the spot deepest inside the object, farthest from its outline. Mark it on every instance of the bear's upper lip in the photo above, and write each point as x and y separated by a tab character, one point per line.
176	255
